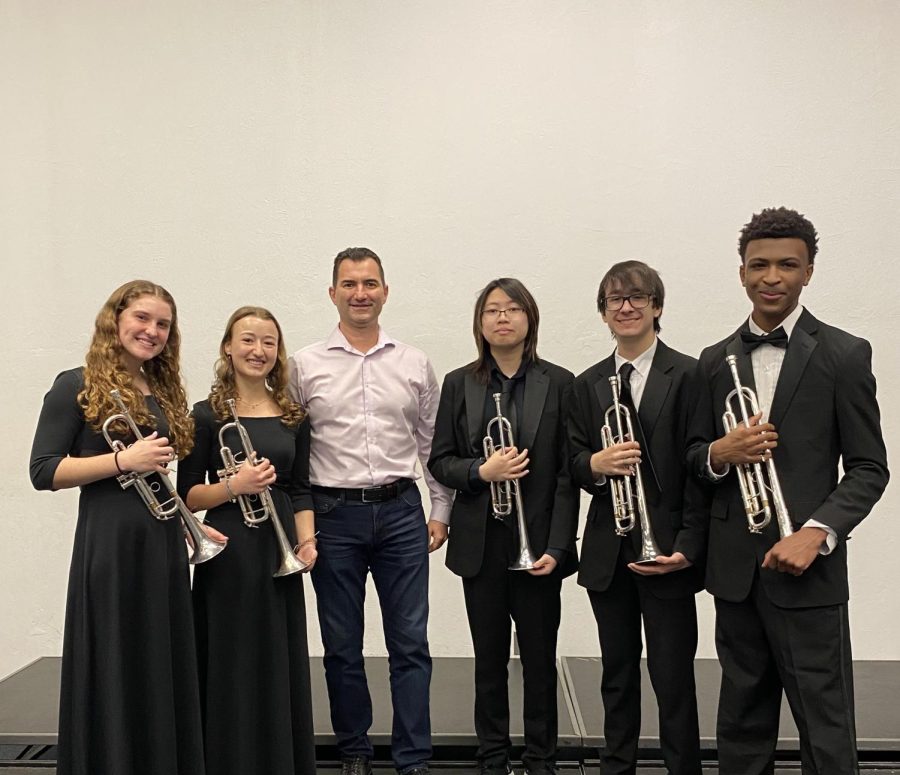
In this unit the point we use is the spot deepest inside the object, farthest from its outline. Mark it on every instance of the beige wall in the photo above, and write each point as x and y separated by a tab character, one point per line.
228	150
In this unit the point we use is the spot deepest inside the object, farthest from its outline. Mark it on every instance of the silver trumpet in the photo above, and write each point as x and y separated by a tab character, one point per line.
255	508
627	492
751	476
507	494
205	547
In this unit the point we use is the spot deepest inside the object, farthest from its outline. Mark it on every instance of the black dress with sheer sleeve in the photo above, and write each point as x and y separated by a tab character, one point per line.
129	700
251	627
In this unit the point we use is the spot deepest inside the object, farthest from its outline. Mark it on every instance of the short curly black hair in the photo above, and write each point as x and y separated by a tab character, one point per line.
779	223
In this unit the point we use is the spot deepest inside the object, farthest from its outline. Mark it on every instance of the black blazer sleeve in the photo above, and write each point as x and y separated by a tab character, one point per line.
451	457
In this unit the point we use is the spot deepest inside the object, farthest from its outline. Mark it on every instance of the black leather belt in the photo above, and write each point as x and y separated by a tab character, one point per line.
380	494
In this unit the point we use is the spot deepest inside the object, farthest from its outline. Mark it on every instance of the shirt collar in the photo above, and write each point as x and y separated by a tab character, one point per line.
787	324
643	362
337	341
520	372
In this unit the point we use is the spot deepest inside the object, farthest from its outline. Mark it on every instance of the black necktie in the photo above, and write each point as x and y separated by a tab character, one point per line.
776	338
625	372
508	404
625	398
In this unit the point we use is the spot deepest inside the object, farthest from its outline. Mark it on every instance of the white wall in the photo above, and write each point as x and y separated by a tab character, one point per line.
228	150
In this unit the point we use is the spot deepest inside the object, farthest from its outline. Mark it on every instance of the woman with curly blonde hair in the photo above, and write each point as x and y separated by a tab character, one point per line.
128	694
251	627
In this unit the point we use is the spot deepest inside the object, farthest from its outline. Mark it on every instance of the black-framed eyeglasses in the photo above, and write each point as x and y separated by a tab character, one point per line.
636	300
510	312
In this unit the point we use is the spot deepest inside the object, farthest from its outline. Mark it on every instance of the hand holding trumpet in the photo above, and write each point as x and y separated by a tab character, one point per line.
503	465
744	444
619	459
252	480
151	453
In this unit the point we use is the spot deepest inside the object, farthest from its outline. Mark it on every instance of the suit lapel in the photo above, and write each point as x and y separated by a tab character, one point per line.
475	399
537	384
800	348
657	388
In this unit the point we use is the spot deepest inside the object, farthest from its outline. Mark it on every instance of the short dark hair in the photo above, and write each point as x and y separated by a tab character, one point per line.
355	254
634	274
779	223
519	294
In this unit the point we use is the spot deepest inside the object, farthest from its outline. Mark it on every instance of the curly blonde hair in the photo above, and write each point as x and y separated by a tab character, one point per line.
224	387
105	370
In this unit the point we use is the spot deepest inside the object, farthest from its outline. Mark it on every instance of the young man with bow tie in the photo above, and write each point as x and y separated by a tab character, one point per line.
781	595
657	390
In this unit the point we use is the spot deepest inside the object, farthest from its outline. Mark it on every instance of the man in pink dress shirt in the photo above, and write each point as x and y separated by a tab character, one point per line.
372	403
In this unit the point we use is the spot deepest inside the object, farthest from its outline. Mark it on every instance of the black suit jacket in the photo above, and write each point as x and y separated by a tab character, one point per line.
824	411
549	498
665	406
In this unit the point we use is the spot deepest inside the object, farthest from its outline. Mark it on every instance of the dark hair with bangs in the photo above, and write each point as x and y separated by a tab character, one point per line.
627	275
779	223
520	295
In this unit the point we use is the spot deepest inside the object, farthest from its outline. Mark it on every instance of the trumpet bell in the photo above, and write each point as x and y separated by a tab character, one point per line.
290	563
206	549
525	560
648	556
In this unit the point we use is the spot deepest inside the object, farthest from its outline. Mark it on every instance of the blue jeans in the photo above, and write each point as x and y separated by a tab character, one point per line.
389	539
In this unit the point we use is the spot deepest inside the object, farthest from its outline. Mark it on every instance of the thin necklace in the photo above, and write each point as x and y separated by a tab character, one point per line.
248	405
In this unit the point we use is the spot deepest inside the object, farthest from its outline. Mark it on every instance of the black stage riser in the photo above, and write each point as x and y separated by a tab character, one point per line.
28	713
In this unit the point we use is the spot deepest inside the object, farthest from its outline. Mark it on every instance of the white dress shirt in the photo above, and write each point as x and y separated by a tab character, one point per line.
371	414
641	371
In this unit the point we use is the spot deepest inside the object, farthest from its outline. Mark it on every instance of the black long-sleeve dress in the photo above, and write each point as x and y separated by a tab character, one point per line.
251	628
128	699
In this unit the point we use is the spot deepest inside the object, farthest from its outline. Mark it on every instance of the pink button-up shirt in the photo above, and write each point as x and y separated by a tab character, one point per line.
371	414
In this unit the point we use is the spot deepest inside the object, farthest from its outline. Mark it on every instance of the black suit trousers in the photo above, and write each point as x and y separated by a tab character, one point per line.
806	651
670	627
494	598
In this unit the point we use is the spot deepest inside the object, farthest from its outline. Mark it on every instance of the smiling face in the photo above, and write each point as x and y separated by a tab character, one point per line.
504	322
253	347
632	327
143	329
359	294
774	273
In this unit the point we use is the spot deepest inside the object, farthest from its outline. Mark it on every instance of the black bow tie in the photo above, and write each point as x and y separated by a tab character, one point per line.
776	338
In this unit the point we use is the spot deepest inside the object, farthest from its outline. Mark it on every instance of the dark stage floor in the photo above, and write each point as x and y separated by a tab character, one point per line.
28	716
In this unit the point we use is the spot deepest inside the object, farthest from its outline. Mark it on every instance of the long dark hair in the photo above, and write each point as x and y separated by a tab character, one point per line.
521	296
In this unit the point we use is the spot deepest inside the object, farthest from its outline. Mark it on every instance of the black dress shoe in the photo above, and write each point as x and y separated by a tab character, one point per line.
496	769
356	765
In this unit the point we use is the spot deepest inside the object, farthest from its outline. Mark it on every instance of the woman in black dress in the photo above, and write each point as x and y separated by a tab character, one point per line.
128	697
251	627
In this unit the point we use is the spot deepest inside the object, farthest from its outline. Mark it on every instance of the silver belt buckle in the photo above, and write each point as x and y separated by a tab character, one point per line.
366	490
